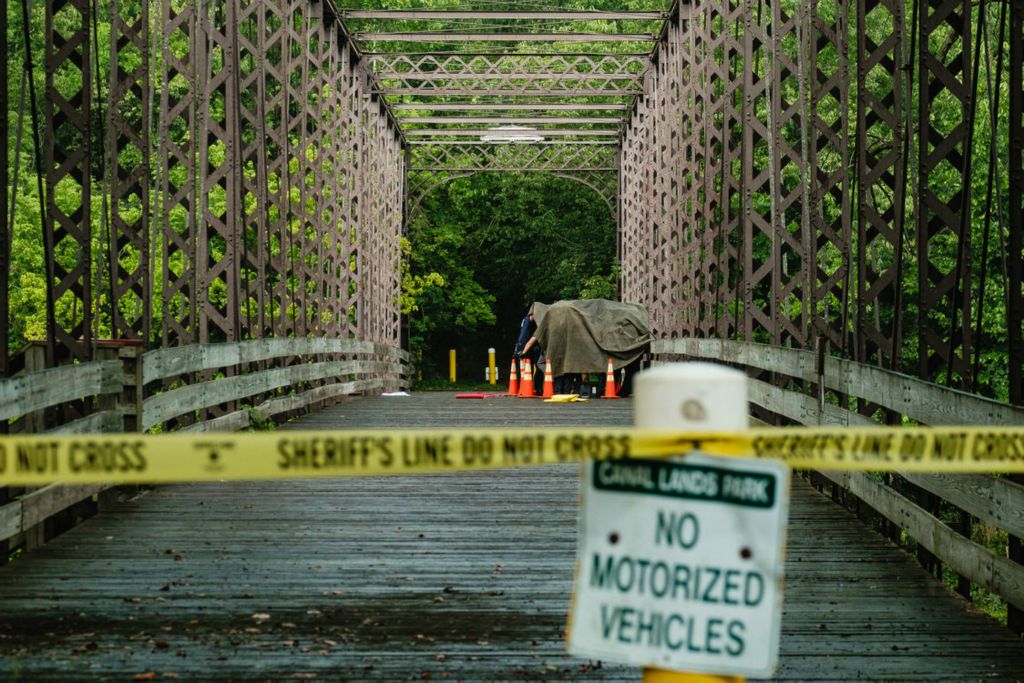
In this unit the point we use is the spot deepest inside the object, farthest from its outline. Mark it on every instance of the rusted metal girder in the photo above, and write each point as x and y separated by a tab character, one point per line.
178	149
944	199
497	65
5	236
831	199
735	203
129	127
435	163
68	151
504	106
518	15
270	224
220	211
881	92
758	242
508	120
483	132
1016	237
510	85
510	37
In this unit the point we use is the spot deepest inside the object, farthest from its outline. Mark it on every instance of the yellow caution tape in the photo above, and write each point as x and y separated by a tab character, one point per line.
138	458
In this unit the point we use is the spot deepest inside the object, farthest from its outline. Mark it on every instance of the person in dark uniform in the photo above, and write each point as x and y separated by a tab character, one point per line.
526	344
527	347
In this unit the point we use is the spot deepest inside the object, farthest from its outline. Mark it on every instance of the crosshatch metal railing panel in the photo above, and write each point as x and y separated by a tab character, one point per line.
232	150
268	225
758	201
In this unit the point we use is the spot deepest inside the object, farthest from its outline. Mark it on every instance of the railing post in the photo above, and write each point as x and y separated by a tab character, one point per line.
693	397
129	401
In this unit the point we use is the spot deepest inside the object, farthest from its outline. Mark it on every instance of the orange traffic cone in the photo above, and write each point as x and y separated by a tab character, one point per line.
513	380
609	382
549	380
526	386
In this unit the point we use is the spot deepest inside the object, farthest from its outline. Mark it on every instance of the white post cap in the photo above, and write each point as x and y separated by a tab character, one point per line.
691	396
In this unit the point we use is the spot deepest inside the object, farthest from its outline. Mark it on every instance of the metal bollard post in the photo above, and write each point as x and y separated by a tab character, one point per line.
697	397
492	373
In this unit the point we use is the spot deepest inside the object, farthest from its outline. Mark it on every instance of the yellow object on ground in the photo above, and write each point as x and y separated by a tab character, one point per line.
565	398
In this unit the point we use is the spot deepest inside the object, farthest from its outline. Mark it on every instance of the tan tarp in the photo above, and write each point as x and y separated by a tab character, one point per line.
580	335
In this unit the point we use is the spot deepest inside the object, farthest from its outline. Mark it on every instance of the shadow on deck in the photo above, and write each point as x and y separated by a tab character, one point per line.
454	577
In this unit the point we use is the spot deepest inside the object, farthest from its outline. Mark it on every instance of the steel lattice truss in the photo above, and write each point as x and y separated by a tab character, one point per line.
562	75
280	176
571	105
593	165
754	207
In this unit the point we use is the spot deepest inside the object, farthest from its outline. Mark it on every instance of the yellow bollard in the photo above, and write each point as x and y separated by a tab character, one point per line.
491	366
451	365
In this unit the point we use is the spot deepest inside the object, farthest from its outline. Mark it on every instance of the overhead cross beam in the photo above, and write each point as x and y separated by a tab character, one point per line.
449	37
499	78
442	15
504	106
550	64
513	120
478	156
474	132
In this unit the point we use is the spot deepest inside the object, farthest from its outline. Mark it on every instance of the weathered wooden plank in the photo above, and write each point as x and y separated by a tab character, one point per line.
33	508
457	577
10	519
232	422
242	419
103	421
167	405
802	408
44	388
181	360
276	406
49	500
921	401
997	501
997	574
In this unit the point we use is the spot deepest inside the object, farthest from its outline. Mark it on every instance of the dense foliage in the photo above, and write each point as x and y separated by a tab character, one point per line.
494	243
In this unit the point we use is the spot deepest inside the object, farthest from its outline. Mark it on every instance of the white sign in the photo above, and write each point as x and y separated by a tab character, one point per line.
680	564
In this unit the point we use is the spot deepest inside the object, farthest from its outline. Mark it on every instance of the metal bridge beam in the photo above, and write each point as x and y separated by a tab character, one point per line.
446	37
518	15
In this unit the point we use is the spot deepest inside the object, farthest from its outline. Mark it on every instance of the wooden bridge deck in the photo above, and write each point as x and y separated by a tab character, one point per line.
461	577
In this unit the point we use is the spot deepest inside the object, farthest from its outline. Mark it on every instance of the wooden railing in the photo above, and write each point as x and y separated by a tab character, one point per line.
807	389
200	387
311	370
34	401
